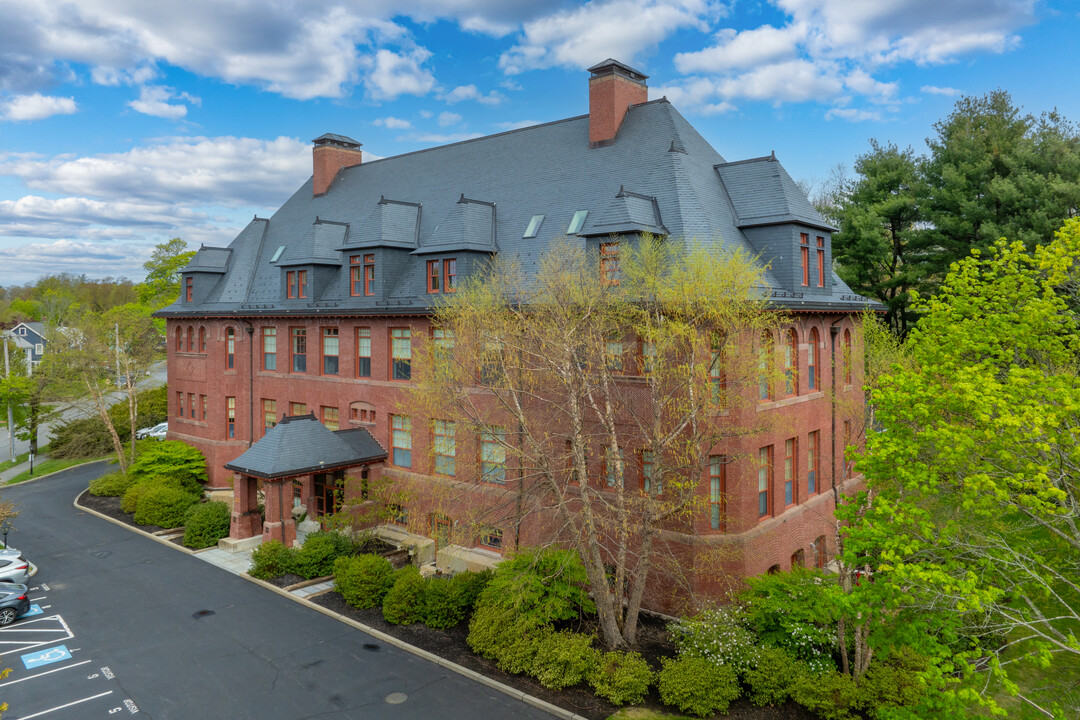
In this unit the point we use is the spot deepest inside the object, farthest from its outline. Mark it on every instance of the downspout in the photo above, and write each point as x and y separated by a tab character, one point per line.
833	332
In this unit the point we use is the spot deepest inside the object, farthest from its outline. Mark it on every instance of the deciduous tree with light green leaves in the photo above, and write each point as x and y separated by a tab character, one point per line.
972	509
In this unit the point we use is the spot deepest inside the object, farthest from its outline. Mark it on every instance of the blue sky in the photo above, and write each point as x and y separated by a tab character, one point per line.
124	123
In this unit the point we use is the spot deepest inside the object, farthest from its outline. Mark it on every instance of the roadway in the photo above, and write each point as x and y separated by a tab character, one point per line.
129	626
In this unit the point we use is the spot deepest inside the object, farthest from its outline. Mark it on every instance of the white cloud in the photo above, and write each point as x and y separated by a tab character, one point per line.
447	119
792	81
389	75
392	123
223	171
738	50
470	92
852	114
36	107
153	100
25	263
578	37
935	90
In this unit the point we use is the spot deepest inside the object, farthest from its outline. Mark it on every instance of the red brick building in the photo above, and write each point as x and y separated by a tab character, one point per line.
315	310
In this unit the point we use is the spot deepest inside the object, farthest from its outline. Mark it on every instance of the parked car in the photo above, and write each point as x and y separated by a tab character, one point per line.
14	567
13	602
148	431
159	431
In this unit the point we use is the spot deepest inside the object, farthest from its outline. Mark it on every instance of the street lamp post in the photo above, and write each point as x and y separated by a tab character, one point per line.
5	526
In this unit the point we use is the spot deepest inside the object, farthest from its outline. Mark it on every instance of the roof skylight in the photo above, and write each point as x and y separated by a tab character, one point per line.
577	222
534	226
277	254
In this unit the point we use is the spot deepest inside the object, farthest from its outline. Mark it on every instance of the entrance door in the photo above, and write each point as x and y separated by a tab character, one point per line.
329	488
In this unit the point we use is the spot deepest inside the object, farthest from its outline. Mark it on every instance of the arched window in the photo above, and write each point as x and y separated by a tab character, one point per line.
190	339
791	363
230	349
179	339
798	559
820	552
847	357
202	339
811	361
765	351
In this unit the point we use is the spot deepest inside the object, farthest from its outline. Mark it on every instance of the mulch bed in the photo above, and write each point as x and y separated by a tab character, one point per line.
451	645
111	506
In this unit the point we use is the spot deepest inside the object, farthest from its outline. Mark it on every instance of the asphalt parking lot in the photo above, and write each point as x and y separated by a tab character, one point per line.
131	627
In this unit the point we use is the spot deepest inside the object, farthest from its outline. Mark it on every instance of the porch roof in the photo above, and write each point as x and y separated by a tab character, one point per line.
300	445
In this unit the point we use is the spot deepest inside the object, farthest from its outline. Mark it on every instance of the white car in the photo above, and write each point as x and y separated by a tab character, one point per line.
148	432
14	567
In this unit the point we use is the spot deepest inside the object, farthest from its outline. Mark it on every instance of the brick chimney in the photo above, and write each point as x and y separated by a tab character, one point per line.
330	154
613	88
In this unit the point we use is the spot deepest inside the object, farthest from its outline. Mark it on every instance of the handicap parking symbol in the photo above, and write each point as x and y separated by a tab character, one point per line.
34	610
45	657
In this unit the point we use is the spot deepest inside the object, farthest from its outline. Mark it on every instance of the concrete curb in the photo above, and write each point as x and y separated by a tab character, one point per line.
421	653
114	521
55	472
536	702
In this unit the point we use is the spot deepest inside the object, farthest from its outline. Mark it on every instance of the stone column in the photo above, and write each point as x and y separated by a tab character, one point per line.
245	521
279	523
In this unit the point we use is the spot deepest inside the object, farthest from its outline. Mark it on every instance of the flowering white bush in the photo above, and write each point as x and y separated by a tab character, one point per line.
718	636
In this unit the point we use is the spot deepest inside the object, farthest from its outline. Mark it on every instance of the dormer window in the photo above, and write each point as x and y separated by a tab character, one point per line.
296	284
820	261
433	276
534	226
189	288
369	274
577	222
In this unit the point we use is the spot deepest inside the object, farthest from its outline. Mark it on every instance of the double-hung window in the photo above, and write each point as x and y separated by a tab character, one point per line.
363	352
791	363
299	349
401	440
369	274
356	276
433	276
717	489
609	264
330	417
820	261
444	444
449	275
330	351
400	354
649	482
269	338
269	413
790	481
493	456
811	360
804	250
230	349
811	462
230	417
764	471
189	286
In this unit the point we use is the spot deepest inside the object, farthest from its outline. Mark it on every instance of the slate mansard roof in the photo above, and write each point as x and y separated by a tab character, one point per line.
299	445
476	197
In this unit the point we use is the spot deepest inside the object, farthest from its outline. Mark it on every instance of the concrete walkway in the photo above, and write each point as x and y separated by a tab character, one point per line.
13	472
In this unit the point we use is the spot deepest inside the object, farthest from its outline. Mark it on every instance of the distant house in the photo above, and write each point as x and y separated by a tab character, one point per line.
30	338
312	314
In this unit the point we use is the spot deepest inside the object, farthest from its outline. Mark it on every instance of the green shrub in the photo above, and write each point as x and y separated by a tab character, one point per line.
564	659
443	607
205	524
892	683
404	603
315	558
832	695
130	500
621	678
163	505
502	635
545	585
696	686
718	636
772	679
173	459
364	580
115	484
88	437
468	586
271	559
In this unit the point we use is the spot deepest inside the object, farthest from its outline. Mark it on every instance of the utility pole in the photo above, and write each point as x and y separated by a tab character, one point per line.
116	344
10	418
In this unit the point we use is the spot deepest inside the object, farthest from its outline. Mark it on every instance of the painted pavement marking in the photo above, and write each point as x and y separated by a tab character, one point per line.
47	672
66	705
45	657
21	637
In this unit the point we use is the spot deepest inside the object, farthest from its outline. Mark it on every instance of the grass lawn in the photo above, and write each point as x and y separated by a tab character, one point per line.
43	450
51	466
643	714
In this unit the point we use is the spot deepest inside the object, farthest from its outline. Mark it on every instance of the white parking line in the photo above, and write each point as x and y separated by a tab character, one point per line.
23	627
61	707
31	677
